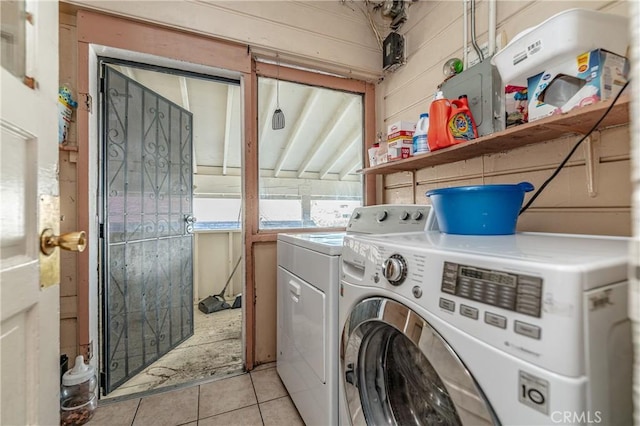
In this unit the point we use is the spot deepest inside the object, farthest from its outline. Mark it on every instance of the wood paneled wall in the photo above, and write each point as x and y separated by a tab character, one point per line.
68	195
434	34
332	36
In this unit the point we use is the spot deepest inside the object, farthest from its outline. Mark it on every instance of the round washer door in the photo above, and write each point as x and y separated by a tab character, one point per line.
399	371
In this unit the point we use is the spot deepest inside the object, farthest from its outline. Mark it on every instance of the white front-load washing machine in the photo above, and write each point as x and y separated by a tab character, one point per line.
307	305
524	329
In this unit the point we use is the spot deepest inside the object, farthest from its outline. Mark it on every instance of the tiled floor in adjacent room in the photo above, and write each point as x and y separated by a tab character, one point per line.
251	399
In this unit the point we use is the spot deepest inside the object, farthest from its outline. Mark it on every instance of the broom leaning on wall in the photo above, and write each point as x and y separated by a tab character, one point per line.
217	302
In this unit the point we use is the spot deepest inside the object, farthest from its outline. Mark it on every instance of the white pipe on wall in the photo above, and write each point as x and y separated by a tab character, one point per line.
492	27
465	35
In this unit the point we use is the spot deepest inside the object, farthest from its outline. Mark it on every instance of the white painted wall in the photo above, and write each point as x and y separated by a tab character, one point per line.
216	255
329	35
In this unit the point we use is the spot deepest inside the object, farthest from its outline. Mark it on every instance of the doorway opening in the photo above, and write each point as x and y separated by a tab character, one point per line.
170	197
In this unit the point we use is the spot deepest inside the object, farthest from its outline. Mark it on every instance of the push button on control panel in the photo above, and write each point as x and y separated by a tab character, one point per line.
528	330
495	320
468	311
447	304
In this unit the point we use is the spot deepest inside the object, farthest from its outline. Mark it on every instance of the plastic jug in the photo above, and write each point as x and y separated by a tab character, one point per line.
78	399
438	135
462	126
420	144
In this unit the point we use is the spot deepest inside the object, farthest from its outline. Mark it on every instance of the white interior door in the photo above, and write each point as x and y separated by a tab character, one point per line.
29	286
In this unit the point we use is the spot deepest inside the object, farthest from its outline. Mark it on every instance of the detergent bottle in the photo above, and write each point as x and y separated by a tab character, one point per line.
438	135
462	126
420	144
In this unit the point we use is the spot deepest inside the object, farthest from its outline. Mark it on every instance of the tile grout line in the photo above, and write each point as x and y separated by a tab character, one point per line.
256	395
136	412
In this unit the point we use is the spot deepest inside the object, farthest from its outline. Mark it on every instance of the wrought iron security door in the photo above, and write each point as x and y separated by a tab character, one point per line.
147	269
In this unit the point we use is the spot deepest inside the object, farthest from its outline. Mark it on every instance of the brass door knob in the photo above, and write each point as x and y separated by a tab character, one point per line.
72	241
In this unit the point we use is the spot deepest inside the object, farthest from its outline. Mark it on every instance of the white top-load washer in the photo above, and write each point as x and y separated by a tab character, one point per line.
524	329
307	305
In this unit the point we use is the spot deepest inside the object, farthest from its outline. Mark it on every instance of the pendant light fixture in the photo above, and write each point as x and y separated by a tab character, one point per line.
277	122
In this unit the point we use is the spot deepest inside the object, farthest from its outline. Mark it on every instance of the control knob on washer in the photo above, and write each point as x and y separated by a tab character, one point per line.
382	215
394	269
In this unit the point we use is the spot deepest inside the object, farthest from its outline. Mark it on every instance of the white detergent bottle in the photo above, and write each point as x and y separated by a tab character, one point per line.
420	144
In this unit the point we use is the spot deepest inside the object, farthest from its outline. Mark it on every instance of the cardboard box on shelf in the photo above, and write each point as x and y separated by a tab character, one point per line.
401	147
382	156
583	80
399	134
400	126
515	105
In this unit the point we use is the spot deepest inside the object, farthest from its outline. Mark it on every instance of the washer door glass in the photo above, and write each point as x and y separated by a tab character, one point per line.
399	371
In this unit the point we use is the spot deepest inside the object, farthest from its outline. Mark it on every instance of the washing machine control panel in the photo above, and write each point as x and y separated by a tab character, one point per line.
515	292
394	269
391	218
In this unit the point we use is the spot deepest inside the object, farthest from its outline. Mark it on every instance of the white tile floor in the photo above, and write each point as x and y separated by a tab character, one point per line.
251	399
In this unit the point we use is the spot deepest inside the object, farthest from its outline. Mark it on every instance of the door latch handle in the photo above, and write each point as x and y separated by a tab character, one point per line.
72	241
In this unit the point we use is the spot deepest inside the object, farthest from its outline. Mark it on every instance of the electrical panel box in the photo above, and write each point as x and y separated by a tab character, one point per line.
485	92
393	52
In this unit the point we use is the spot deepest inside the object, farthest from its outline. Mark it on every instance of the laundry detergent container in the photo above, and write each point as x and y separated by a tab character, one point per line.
479	209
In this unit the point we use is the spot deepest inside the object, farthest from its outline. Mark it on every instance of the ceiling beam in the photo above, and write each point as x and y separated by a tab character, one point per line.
227	127
356	139
351	168
184	92
210	171
333	123
304	116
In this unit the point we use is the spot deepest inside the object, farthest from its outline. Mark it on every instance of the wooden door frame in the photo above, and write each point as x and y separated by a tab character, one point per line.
99	29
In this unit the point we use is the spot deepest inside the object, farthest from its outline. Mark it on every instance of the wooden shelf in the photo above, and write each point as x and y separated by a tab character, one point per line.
577	121
68	148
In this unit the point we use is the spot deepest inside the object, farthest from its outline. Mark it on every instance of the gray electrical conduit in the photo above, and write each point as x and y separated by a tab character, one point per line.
473	31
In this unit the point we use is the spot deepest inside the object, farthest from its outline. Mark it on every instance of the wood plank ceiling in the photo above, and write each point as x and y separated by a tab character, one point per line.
321	140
